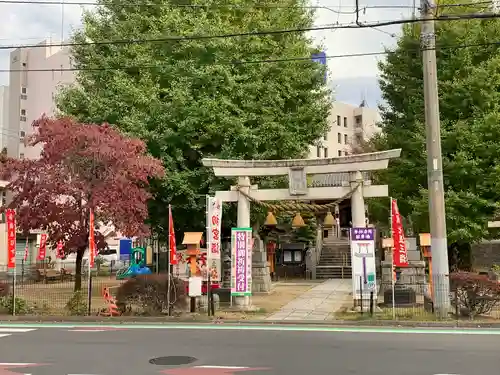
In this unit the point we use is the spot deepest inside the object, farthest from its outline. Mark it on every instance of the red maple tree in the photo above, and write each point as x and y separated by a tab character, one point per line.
81	167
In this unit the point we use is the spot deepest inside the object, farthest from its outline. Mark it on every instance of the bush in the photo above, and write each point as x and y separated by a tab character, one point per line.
474	294
77	304
149	293
7	305
4	289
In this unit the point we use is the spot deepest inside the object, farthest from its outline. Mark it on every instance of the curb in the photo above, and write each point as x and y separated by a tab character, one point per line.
208	321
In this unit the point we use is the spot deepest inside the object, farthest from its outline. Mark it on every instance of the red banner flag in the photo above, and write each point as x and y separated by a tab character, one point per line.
42	249
171	237
400	253
11	238
91	240
60	251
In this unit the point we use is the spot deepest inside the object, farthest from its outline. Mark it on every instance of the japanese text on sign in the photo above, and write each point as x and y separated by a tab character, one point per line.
11	238
400	253
241	261
214	224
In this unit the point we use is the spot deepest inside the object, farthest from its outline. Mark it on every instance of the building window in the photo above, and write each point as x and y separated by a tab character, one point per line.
325	137
24	64
326	152
23	90
345	139
345	122
340	153
338	121
22	134
339	138
23	112
318	151
359	120
21	156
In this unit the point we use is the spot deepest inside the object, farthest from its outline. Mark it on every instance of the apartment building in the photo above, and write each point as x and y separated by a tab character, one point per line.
35	76
349	126
4	114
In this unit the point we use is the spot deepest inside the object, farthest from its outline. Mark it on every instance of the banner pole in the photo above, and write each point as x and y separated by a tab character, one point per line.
208	247
393	269
168	256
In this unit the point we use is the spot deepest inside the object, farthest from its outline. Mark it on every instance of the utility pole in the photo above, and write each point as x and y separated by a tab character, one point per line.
437	215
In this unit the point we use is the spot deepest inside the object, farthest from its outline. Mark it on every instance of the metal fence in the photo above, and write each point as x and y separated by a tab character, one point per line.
471	297
467	297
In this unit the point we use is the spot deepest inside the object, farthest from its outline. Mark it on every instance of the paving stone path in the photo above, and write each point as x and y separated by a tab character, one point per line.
318	303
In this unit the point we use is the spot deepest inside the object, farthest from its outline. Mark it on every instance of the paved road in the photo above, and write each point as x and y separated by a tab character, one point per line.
61	351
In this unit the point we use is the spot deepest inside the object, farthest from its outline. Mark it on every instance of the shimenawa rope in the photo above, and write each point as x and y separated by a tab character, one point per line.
297	206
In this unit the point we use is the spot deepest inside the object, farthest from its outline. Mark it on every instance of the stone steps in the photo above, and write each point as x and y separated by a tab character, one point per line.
333	272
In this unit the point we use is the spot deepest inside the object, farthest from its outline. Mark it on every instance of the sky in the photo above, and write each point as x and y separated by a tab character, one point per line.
352	78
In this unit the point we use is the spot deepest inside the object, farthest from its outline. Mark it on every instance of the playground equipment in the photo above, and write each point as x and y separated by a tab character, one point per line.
137	265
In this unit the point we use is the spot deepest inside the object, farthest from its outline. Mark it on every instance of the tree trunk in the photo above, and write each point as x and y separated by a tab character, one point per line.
78	269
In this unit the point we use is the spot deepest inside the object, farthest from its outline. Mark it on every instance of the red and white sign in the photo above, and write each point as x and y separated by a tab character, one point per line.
172	247
214	227
400	253
60	250
11	238
42	249
91	239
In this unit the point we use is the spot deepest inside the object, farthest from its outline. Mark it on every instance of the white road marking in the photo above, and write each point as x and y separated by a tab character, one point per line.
5	335
17	330
16	364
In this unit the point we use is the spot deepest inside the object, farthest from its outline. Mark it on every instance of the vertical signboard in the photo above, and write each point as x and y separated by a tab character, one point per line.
11	238
214	218
363	262
241	261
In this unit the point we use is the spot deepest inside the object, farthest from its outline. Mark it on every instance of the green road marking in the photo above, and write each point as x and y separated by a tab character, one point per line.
274	327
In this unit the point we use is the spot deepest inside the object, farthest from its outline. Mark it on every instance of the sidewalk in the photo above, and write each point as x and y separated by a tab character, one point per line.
318	303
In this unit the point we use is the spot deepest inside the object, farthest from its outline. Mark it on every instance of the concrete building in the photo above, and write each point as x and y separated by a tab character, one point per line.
349	126
35	76
4	113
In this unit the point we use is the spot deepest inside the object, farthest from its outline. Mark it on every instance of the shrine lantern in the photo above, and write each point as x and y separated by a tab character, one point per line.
192	240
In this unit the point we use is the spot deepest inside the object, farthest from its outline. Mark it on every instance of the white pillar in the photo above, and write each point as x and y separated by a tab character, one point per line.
357	200
243	221
243	203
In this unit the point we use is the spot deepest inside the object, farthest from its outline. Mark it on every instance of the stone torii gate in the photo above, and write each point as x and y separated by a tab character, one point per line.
297	171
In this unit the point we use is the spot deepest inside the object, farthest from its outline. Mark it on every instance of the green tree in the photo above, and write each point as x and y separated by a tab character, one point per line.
198	98
469	84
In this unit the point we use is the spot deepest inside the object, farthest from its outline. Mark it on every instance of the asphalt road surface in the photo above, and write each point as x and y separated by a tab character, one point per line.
62	351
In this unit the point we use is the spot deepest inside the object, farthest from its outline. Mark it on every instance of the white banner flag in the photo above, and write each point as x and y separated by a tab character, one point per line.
214	219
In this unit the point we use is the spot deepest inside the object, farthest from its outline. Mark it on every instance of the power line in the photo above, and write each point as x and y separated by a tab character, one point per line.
184	38
249	62
198	6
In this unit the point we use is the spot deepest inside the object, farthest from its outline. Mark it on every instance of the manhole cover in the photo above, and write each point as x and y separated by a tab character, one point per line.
175	360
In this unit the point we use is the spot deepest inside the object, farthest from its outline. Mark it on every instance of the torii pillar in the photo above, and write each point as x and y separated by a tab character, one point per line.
297	171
